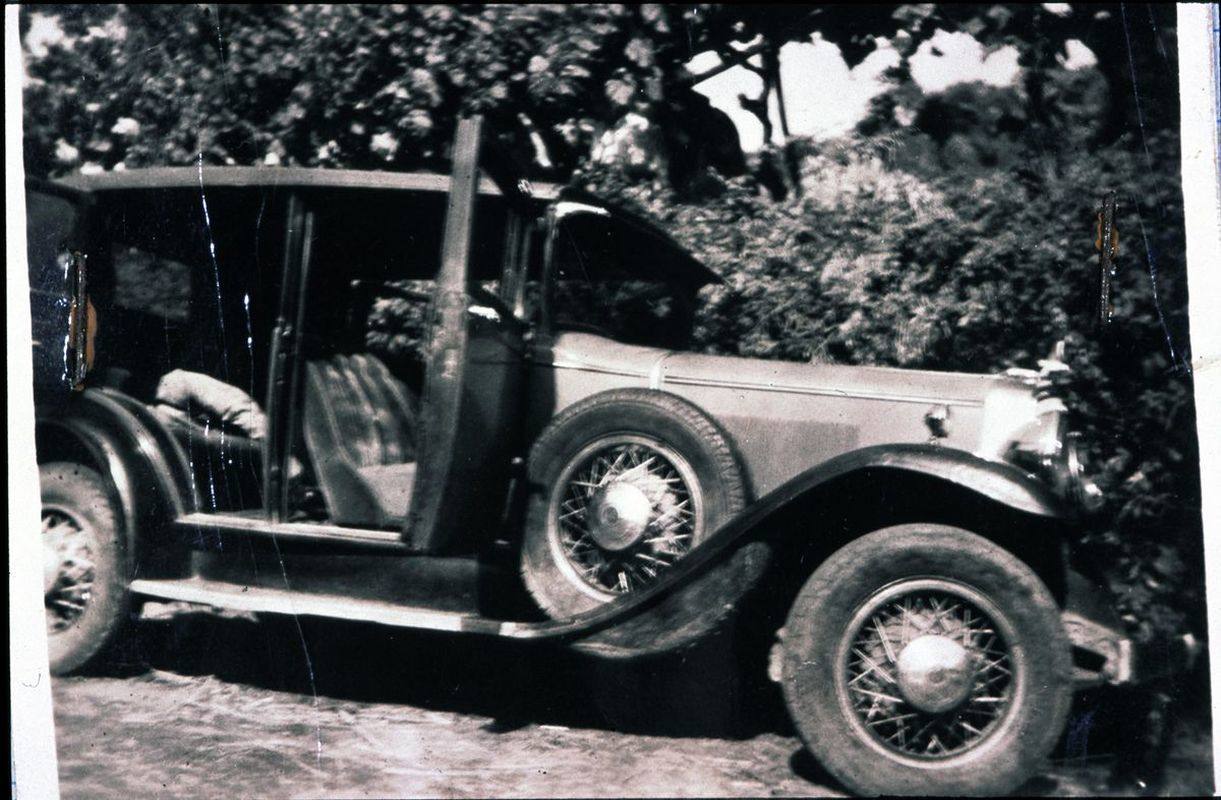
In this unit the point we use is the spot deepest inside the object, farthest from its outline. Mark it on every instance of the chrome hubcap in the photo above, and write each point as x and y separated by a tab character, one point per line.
935	673
68	568
626	509
926	669
619	515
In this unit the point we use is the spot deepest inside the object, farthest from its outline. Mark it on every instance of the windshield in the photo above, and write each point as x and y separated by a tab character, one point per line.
623	281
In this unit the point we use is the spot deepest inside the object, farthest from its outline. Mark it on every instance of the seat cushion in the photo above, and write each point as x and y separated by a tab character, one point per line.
390	485
359	426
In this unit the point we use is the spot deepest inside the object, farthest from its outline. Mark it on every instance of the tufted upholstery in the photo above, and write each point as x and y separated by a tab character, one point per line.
360	430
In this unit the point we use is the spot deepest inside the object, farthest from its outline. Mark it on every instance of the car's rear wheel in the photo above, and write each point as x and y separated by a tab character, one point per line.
924	659
84	573
624	485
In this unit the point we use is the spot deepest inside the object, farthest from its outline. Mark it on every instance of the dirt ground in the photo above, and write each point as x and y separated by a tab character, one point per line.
210	705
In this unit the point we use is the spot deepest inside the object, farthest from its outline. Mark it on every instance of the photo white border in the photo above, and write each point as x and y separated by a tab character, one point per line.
35	772
1198	76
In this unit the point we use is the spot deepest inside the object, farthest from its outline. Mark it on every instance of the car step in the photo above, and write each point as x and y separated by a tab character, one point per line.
286	601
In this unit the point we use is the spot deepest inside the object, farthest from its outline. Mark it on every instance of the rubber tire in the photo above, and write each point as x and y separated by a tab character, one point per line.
107	614
648	412
826	604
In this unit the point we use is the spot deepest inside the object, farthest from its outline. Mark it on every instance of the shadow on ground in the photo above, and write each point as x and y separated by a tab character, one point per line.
1115	742
514	684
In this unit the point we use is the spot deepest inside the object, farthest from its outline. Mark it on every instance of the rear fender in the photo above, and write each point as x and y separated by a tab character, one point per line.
149	474
758	561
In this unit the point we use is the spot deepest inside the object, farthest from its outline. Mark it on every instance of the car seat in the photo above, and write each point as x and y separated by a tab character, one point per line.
360	432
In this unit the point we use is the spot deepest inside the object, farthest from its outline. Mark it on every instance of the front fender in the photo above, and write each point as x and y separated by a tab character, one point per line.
1001	482
704	590
148	472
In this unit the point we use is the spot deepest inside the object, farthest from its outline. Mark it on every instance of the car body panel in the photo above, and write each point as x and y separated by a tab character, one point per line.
784	416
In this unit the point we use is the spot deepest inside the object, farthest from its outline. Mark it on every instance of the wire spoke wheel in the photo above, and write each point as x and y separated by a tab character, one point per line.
925	658
626	509
69	569
622	486
926	670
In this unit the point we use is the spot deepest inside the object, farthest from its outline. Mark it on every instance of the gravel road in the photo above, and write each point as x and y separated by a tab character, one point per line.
214	705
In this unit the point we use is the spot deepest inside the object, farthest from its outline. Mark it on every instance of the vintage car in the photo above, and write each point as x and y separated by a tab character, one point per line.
477	413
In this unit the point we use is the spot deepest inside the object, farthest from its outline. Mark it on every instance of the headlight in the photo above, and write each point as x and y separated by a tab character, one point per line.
1076	486
1055	454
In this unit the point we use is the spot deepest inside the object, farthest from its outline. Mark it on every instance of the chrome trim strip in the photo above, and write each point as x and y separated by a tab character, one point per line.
781	388
307	531
792	389
591	368
657	375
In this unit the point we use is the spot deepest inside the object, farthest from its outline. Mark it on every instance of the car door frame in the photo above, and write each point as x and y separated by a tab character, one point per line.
448	512
284	362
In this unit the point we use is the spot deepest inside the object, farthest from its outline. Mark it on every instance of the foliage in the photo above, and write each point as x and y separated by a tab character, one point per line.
380	85
329	85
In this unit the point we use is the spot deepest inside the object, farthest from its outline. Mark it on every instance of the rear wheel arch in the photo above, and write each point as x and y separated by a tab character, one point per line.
67	440
142	498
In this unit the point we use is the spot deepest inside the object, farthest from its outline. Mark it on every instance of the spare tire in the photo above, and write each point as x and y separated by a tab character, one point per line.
622	485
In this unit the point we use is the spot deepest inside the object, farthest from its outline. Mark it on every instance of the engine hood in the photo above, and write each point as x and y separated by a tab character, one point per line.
786	416
673	368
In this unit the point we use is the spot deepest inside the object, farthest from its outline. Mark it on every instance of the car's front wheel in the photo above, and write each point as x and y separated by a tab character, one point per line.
84	572
924	659
624	484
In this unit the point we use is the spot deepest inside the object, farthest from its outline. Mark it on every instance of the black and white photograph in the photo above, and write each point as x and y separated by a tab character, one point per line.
700	400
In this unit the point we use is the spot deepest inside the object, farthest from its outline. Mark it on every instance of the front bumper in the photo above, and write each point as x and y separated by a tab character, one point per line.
1103	655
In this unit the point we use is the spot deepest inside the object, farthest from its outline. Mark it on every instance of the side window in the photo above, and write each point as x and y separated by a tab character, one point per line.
150	283
375	257
50	222
194	288
395	324
527	299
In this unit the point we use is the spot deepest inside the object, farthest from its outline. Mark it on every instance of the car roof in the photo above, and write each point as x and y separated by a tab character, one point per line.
193	177
318	177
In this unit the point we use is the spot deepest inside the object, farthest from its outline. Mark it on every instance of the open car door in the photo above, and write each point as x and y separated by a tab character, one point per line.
474	368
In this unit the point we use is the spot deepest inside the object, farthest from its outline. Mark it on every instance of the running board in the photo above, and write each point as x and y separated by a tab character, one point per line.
298	531
285	601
